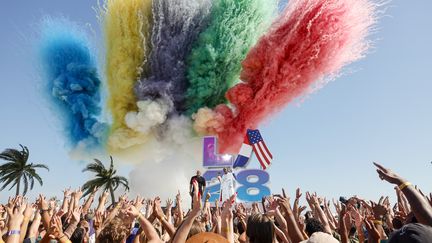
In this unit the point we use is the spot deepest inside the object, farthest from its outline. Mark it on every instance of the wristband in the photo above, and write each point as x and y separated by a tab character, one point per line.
404	185
43	210
160	218
13	232
226	230
377	222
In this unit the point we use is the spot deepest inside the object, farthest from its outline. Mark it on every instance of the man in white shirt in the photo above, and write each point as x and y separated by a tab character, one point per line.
228	185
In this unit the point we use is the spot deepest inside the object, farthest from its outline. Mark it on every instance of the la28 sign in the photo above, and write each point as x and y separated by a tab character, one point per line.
251	183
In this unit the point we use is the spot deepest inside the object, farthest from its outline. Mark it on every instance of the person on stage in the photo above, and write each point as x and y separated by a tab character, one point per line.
201	185
228	185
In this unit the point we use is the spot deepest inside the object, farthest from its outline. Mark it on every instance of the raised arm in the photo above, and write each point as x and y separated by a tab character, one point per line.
65	205
161	217
227	219
27	214
183	231
43	207
294	231
34	228
102	202
88	203
320	213
179	207
146	226
16	217
419	205
342	225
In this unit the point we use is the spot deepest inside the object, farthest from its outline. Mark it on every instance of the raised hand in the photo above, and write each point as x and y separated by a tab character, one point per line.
226	208
76	214
169	204
298	193
78	193
197	204
157	209
52	203
138	202
28	212
373	232
42	203
67	192
388	175
123	198
98	220
178	197
378	210
132	211
15	217
56	228
358	218
104	195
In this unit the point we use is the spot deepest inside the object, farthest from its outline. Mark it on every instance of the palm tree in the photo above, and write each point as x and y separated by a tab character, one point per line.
106	178
17	169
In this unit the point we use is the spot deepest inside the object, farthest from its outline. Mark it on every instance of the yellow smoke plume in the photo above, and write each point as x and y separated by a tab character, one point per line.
127	26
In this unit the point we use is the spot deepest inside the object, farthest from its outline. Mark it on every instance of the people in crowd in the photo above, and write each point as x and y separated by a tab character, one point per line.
227	184
79	219
201	185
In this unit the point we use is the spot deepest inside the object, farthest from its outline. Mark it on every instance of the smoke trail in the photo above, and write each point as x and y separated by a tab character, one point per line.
214	63
127	27
71	81
177	24
176	156
313	40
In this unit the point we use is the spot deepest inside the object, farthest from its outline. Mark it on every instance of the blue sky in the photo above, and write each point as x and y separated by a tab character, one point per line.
382	112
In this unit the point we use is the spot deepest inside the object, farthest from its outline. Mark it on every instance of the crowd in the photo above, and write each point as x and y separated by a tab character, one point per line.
273	220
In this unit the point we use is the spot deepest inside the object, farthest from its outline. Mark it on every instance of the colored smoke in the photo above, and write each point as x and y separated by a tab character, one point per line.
176	25
71	82
127	33
311	42
215	61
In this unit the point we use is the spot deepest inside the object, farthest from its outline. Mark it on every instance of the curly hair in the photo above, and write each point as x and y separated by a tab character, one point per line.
115	231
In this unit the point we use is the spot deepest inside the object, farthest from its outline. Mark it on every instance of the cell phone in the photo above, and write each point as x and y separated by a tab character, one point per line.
343	200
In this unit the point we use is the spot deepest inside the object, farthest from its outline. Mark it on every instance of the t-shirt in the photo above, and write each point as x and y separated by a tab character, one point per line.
201	183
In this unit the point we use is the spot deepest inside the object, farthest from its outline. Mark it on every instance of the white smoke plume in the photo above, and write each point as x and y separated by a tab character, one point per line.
166	165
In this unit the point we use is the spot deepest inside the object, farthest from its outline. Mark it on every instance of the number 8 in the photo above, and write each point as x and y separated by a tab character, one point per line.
244	191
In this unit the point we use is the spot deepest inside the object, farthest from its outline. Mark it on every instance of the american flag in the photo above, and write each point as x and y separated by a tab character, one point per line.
259	147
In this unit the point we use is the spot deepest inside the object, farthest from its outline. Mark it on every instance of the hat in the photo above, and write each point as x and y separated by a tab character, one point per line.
412	233
320	237
207	237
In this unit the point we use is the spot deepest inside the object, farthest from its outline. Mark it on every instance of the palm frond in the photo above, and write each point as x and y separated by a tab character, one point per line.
26	184
111	163
96	167
31	179
39	166
15	182
32	173
14	155
25	153
7	157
